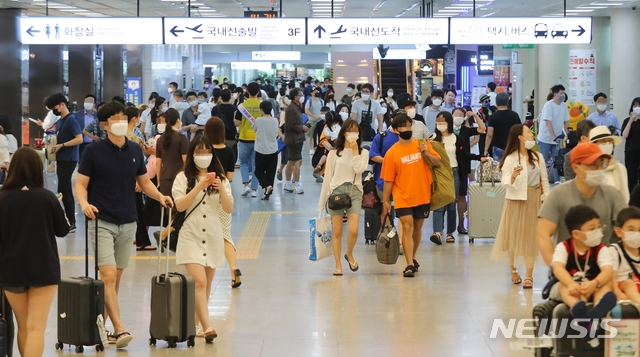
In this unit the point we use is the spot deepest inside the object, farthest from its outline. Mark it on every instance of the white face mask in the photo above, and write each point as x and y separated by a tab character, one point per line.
389	94
344	115
235	96
351	137
366	96
411	113
203	161
602	107
170	90
529	144
632	239
88	106
119	128
323	116
193	103
594	177
594	237
437	102
164	109
162	128
636	110
458	121
442	127
606	148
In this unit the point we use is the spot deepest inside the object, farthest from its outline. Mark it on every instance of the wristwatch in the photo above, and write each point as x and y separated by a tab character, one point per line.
597	281
63	145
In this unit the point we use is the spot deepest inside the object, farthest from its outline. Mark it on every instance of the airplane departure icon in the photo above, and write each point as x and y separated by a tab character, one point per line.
196	29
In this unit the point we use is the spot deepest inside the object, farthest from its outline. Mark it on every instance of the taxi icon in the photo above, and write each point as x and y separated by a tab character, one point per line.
559	31
541	30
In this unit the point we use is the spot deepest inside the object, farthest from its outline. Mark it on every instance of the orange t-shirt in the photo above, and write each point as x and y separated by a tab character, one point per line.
404	166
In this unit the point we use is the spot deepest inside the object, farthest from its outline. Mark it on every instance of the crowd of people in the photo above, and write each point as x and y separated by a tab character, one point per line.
135	165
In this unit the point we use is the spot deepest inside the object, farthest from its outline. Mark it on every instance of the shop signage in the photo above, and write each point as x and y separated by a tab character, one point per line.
531	30
234	31
400	54
582	76
90	31
375	31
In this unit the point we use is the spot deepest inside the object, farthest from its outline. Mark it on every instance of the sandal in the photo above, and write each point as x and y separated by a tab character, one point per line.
210	334
516	280
236	282
110	337
122	339
416	265
528	283
267	193
450	238
436	238
337	273
409	271
353	266
146	248
199	332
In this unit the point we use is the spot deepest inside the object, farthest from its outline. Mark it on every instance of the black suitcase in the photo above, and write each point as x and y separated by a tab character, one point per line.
81	306
541	312
575	347
6	327
372	224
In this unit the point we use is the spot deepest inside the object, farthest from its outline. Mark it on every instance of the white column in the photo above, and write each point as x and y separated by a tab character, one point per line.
553	66
625	59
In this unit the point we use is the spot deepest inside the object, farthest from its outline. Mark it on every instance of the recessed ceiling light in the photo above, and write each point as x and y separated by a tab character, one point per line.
457	10
74	10
591	7
606	4
579	10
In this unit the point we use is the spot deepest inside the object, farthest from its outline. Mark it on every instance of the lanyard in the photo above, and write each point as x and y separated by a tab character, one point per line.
586	261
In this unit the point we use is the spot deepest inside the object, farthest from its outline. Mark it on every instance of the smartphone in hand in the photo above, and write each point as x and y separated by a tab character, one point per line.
211	176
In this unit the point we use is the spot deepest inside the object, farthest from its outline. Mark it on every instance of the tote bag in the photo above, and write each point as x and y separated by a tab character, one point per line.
320	237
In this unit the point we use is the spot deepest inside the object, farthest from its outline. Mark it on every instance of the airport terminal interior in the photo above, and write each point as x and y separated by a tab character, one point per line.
480	55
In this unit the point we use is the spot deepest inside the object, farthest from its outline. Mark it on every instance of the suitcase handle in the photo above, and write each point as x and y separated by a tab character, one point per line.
168	230
86	247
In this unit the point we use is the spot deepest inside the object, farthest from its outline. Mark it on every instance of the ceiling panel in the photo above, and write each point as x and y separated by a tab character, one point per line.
302	8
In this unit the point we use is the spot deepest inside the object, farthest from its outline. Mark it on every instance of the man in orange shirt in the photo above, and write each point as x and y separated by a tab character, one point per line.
406	174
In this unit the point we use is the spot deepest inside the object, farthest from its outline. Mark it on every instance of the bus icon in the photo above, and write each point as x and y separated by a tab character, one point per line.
541	30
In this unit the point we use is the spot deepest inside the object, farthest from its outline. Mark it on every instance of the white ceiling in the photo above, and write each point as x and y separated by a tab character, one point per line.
303	8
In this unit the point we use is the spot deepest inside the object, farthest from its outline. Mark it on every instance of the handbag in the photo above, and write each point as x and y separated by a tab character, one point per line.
51	142
388	243
370	198
338	201
443	186
489	171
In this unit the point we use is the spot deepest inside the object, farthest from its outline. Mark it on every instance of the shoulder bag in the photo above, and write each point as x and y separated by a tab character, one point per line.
370	199
443	185
340	201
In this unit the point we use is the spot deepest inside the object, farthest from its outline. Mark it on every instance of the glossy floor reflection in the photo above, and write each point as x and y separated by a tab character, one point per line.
290	306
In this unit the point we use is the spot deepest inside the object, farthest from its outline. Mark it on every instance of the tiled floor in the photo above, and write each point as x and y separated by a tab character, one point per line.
290	306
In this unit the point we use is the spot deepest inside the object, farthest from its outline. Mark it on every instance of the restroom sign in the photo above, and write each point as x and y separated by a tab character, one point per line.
531	30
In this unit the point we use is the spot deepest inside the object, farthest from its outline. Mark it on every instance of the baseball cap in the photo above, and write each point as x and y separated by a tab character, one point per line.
586	153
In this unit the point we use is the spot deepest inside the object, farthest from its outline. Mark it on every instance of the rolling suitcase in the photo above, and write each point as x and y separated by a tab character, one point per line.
540	312
173	297
575	347
81	306
372	225
6	327
485	209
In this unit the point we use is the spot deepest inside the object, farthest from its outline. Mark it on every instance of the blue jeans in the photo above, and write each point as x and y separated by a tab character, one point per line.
450	209
498	154
247	162
549	152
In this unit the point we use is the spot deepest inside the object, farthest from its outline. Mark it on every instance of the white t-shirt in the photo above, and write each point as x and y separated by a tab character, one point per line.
332	133
13	143
450	145
493	96
360	108
561	255
557	114
620	264
4	150
420	130
180	107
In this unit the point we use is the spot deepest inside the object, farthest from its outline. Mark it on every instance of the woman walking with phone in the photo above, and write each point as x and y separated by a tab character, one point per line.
202	191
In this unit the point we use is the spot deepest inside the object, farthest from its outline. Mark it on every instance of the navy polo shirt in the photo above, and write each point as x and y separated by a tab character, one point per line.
112	172
67	128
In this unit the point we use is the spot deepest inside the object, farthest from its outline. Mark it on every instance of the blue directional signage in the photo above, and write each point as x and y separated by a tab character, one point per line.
81	30
508	30
375	31
234	31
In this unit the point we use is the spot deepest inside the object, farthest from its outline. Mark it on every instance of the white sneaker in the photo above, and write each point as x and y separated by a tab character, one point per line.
298	189
312	151
254	193
289	187
246	191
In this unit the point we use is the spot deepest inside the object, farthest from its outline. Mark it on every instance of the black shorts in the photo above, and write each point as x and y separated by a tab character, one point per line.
295	151
464	185
418	212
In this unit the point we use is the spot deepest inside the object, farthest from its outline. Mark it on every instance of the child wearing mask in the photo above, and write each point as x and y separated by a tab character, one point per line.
625	255
583	265
332	126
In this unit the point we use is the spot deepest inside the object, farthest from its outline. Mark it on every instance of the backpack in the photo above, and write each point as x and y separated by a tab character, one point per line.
443	187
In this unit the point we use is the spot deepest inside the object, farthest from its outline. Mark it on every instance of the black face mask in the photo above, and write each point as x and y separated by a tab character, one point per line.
56	112
406	135
318	95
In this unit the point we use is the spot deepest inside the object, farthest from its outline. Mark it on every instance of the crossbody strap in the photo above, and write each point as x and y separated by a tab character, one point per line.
194	208
629	260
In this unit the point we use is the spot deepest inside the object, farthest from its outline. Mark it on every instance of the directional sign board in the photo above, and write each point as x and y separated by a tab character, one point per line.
234	31
375	31
533	30
78	30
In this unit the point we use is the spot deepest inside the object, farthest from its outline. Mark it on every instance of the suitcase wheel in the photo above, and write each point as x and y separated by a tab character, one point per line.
370	242
172	343
191	342
99	347
59	345
79	349
152	341
470	240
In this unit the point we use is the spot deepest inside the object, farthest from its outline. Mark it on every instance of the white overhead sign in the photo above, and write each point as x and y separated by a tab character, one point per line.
261	66
90	31
532	30
375	31
275	55
400	54
234	31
